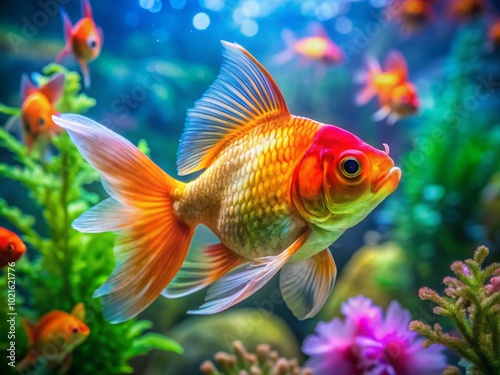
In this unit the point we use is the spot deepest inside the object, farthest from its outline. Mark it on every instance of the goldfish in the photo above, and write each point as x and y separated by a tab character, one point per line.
276	189
84	40
494	35
397	96
38	107
54	338
11	247
414	13
319	47
465	9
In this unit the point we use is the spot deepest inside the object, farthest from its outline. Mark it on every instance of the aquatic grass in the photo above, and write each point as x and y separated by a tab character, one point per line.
68	265
472	304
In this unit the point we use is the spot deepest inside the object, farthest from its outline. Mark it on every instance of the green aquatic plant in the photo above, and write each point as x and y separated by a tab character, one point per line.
472	303
264	361
68	265
456	151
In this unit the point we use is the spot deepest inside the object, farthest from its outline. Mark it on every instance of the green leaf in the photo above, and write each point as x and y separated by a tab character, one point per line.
11	111
144	344
137	329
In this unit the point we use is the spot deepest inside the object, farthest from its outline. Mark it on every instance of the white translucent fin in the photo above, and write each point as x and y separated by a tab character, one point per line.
207	266
381	114
306	285
246	280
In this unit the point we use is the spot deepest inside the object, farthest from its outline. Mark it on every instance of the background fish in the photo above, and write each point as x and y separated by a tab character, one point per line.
11	247
38	108
277	191
54	337
84	40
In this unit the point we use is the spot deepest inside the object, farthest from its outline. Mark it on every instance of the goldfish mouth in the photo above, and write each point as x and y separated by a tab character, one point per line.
388	181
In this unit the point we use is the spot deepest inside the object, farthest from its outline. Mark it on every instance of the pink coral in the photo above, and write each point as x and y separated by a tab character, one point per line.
366	343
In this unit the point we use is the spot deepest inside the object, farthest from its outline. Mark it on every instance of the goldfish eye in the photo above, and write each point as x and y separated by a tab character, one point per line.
41	122
350	167
91	43
10	247
74	330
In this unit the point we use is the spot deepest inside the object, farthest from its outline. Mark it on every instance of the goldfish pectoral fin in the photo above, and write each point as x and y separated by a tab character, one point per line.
396	63
246	280
85	73
243	95
208	266
66	51
54	88
364	95
78	311
152	241
392	118
306	285
66	364
381	114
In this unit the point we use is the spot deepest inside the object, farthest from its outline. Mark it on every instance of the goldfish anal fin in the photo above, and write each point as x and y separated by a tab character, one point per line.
396	63
27	86
246	280
152	241
66	364
86	9
208	266
243	96
306	285
78	311
54	88
26	362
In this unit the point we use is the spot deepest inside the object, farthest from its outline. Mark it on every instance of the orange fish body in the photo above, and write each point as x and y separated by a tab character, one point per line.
414	13
494	34
277	190
84	40
11	247
397	96
54	337
318	48
38	108
466	9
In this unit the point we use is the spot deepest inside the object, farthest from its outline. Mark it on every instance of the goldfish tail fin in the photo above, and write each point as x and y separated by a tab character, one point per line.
85	74
288	53
208	266
366	77
152	240
26	362
67	26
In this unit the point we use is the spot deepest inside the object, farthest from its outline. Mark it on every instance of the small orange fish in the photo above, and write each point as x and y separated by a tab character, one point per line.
53	339
318	48
414	13
397	96
38	108
277	190
84	40
494	34
465	9
11	247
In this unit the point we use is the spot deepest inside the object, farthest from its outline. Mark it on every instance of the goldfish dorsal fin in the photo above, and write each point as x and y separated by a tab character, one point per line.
396	63
86	9
243	96
79	311
27	87
30	328
54	88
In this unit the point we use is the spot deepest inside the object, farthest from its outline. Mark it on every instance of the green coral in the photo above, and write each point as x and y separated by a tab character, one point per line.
473	306
264	361
69	265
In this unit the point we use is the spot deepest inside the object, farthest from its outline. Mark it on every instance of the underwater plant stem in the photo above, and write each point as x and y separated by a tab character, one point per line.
67	257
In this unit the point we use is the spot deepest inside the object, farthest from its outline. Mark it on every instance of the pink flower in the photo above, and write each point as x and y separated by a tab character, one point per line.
366	343
494	285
